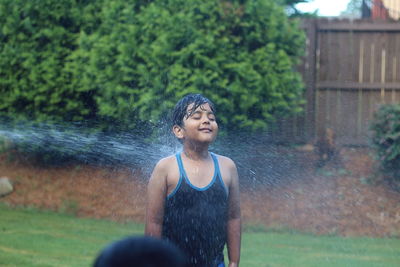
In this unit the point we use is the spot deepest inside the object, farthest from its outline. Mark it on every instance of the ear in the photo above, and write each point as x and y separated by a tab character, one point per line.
178	131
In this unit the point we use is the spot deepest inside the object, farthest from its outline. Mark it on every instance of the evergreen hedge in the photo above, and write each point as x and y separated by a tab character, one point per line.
129	61
386	140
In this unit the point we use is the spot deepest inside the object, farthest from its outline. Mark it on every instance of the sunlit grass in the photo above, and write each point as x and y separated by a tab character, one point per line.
38	238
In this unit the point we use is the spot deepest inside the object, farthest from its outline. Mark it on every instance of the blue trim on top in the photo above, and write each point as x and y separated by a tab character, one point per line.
180	163
216	164
180	178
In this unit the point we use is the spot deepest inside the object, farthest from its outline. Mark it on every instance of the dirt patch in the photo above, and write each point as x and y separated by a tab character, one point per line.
81	190
336	199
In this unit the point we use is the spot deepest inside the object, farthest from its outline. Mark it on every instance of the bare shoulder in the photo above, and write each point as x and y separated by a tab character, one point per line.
165	163
229	172
162	169
226	162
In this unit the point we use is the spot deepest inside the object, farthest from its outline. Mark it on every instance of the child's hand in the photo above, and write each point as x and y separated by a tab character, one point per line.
233	264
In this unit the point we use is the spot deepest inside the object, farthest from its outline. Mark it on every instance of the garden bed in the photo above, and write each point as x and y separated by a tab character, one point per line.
339	199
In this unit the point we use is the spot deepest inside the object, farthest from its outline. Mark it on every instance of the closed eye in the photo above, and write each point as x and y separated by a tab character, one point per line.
196	116
211	116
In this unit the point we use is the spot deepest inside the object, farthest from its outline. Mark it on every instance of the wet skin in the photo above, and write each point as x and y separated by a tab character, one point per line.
199	128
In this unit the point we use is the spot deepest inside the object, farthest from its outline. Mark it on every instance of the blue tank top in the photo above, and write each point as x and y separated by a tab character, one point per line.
195	218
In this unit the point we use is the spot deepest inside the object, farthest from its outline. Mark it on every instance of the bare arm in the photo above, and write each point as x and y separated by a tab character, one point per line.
234	221
156	193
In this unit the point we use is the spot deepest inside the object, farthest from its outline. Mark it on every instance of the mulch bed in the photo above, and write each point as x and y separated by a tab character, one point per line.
332	200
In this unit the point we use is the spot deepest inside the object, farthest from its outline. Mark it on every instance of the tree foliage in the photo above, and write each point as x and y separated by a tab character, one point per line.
353	9
386	140
130	61
37	38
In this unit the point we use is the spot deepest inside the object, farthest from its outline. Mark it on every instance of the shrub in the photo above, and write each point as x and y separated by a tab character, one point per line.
129	61
36	41
386	140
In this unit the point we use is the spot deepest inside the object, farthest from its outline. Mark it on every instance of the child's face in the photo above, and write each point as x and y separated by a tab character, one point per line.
201	126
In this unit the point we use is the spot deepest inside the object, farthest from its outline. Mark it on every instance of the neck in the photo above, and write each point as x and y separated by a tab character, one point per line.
195	152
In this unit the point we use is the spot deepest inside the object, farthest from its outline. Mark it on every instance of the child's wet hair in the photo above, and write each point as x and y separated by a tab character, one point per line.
181	111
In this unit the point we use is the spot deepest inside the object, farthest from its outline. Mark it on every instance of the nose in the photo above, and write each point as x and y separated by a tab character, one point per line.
206	120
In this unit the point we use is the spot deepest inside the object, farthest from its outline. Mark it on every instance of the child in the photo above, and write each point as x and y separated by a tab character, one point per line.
193	196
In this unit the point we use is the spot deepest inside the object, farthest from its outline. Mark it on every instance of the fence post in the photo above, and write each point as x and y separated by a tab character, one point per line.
310	25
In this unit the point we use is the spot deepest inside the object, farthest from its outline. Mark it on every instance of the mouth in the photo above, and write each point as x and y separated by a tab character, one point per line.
205	130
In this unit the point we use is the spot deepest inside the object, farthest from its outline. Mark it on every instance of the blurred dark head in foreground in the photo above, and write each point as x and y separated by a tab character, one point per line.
141	252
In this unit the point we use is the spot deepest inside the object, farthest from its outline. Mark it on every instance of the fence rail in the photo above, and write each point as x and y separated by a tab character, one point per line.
350	68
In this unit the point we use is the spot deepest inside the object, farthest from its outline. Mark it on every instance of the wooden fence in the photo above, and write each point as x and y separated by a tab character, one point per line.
350	68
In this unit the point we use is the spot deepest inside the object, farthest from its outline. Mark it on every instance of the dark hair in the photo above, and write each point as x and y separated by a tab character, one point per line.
180	110
140	251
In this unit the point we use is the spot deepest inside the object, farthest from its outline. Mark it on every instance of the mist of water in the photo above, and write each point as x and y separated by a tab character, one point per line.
87	146
258	161
261	163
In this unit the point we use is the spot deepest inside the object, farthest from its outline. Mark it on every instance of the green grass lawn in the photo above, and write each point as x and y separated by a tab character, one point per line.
29	237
